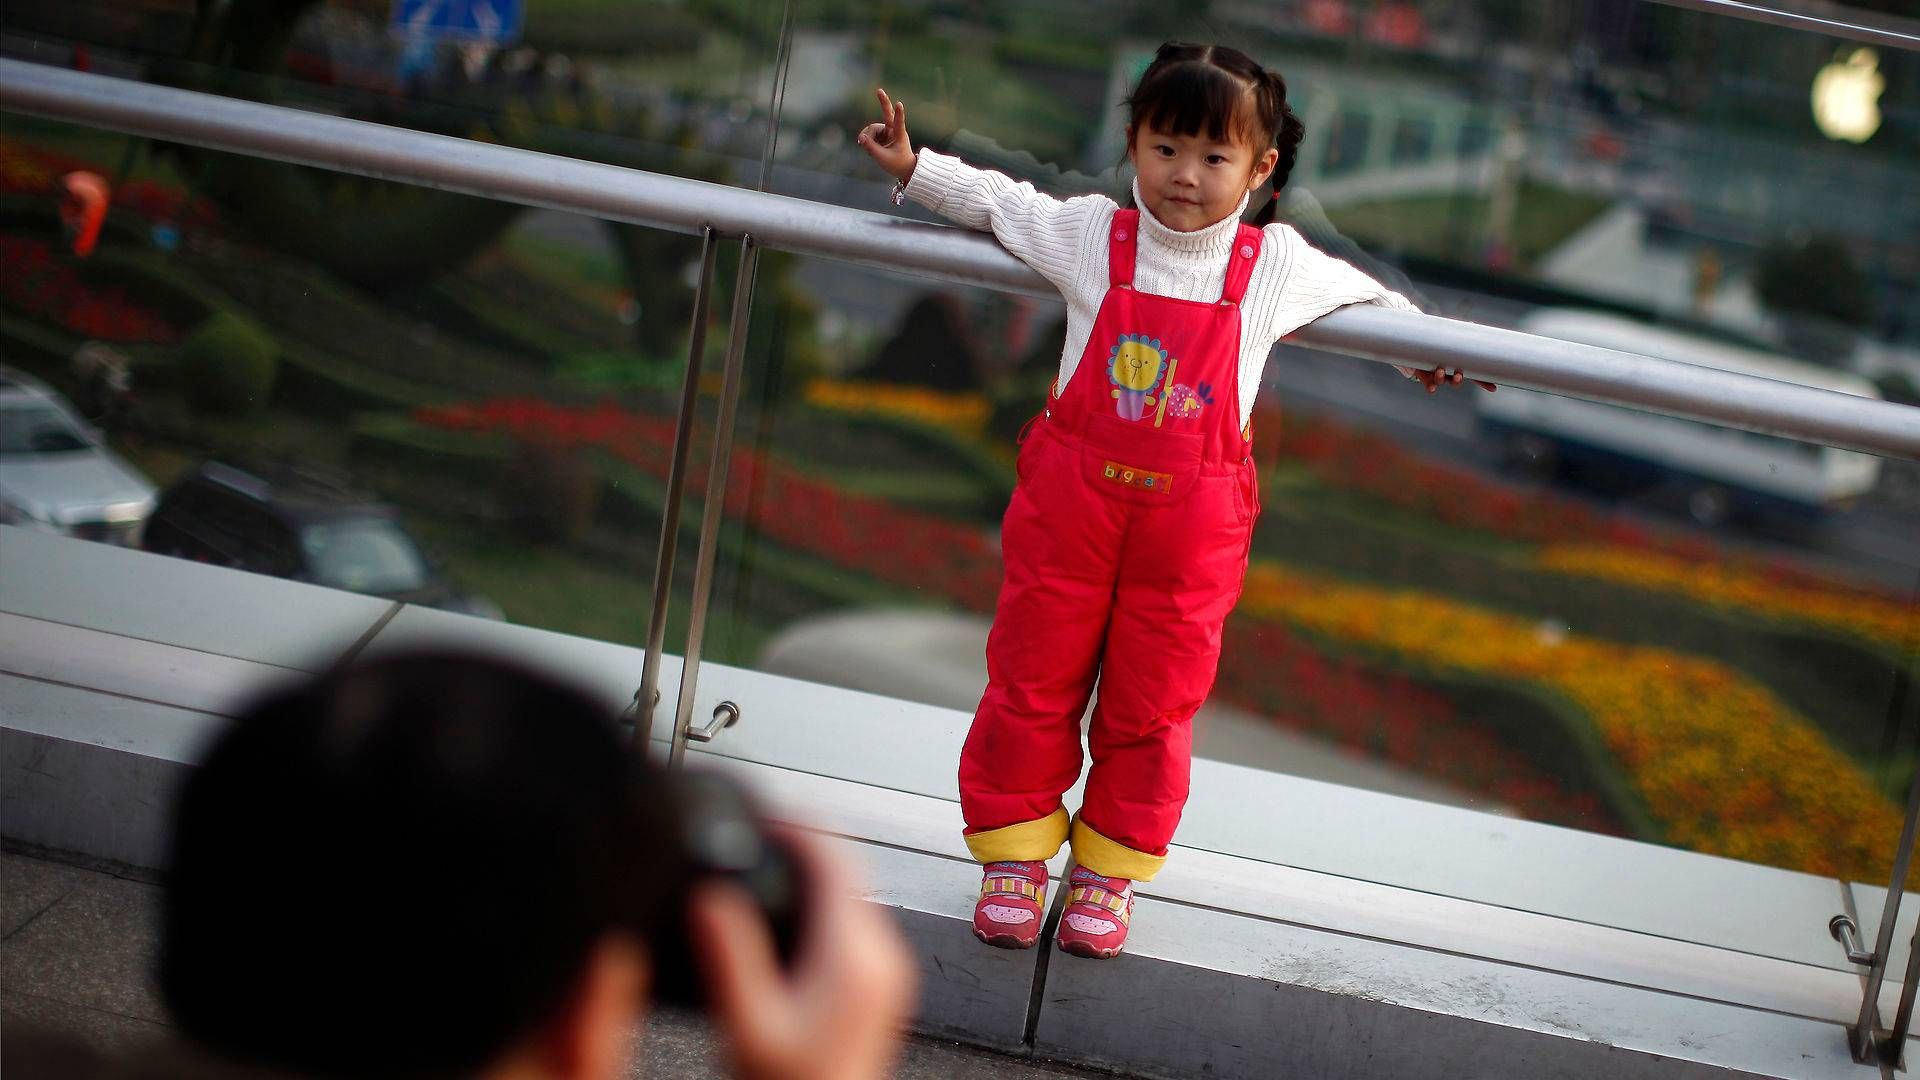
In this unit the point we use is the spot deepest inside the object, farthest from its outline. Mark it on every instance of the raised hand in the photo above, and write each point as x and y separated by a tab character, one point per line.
886	142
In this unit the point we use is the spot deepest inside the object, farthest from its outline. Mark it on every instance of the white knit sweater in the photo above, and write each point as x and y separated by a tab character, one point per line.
1293	282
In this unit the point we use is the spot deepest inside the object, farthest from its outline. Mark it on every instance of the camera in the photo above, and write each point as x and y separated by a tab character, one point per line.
718	835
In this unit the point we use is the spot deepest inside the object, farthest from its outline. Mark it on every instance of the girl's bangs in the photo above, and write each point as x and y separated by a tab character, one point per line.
1194	97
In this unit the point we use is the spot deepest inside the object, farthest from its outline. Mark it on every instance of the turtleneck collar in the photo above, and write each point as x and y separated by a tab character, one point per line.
1215	239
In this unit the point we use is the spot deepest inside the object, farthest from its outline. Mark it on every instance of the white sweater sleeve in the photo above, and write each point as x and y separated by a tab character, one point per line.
1317	283
1046	233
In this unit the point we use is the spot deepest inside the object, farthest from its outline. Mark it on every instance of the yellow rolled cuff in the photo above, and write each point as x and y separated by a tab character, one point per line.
1029	841
1110	858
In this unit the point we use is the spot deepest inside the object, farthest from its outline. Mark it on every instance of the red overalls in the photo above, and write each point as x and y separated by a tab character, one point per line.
1126	546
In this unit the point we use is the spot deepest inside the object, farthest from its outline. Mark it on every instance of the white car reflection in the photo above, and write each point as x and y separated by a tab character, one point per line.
57	475
1721	471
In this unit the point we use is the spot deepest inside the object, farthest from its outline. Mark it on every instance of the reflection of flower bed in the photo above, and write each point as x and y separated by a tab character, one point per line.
1719	762
1264	667
1390	717
893	545
1870	617
33	170
963	413
1598	545
52	290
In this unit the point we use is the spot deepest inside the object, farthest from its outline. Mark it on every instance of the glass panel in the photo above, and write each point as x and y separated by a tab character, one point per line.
366	386
1566	612
671	88
1618	622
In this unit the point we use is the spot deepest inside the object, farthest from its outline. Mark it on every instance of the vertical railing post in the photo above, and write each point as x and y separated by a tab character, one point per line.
738	326
648	696
1892	1046
1871	1044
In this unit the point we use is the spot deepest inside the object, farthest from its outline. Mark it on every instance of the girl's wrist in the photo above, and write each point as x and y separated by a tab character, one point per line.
899	194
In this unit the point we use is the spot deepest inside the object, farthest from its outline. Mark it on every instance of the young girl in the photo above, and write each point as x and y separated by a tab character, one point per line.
1127	538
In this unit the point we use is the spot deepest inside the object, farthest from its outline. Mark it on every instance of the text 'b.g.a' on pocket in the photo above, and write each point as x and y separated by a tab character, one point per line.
1138	479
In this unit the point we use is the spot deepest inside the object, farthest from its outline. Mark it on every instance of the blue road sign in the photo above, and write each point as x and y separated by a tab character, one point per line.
496	21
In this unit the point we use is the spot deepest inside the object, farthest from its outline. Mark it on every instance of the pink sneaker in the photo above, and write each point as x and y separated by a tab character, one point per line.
1013	904
1098	910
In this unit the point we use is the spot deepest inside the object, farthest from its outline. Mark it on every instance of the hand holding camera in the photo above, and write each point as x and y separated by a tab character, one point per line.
847	985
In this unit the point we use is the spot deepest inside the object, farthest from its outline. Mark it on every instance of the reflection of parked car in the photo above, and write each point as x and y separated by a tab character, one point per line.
1721	471
56	475
301	524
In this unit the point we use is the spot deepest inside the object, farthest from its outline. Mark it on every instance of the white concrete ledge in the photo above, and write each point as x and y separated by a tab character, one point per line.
1211	993
102	791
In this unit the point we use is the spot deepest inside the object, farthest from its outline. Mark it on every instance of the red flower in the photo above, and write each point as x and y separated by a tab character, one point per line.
53	291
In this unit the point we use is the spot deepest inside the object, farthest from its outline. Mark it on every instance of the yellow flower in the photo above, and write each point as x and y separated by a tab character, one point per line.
1719	762
964	413
1875	619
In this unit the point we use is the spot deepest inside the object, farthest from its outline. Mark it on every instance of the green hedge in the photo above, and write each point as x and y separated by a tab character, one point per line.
924	465
366	338
228	365
318	384
373	232
453	458
33	345
157	282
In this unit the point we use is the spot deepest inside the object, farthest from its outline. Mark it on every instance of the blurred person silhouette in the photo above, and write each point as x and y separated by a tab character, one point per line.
104	376
437	865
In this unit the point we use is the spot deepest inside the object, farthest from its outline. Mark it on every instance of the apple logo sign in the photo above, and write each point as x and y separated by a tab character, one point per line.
1846	96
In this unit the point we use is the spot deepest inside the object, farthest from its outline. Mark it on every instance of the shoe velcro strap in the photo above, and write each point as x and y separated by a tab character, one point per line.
1099	897
1010	886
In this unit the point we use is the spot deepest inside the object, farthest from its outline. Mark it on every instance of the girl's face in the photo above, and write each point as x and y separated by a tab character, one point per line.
1192	181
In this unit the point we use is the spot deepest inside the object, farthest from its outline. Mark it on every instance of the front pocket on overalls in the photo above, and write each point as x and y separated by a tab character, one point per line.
1147	468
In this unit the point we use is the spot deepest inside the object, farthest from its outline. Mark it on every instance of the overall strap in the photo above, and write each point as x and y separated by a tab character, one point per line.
1246	252
1123	236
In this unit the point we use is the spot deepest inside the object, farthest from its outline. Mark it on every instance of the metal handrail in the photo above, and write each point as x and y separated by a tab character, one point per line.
1839	21
940	252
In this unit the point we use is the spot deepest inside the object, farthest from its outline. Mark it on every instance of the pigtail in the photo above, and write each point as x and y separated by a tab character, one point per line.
1287	135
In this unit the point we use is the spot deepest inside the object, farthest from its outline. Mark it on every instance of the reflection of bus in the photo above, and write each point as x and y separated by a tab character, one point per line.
1719	470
